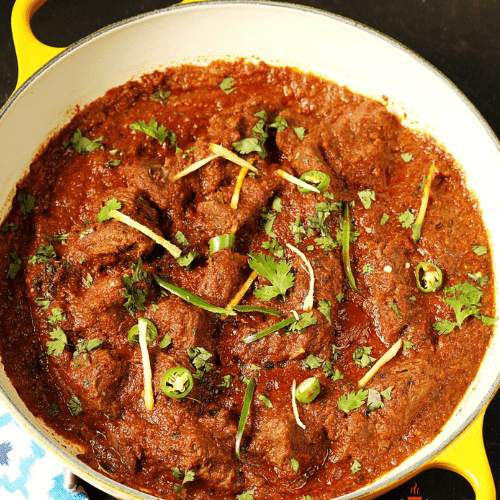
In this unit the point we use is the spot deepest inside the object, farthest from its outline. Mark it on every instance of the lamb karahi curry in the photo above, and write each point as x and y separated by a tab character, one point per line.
239	281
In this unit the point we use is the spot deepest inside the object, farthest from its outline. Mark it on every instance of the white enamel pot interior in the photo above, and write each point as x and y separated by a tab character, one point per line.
281	34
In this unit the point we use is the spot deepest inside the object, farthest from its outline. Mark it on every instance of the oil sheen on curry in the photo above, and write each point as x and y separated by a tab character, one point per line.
243	282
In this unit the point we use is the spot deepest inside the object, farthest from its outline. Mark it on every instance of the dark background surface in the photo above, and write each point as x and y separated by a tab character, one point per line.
459	37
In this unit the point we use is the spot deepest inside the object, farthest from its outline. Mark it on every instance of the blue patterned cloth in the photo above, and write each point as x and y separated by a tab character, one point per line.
27	472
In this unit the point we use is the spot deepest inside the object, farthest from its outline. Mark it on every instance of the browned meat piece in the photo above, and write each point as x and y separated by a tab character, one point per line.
276	439
103	244
358	145
94	378
99	308
415	385
187	325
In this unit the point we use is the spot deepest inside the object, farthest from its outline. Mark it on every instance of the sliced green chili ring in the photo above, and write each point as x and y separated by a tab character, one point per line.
151	333
222	241
177	382
264	310
271	329
316	178
308	390
346	235
191	297
244	415
431	279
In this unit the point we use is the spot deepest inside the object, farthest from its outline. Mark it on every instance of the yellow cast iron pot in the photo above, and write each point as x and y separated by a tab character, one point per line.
52	81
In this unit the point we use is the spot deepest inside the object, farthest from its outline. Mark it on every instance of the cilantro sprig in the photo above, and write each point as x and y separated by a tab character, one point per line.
156	131
277	272
465	299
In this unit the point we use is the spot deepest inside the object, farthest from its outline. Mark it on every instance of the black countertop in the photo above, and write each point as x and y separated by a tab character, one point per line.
461	38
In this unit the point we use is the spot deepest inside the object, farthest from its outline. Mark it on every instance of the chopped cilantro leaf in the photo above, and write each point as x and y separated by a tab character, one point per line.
407	157
112	204
368	268
256	143
279	124
83	145
247	495
136	296
406	218
464	298
395	308
277	204
153	130
300	132
57	345
297	228
181	239
278	273
367	197
313	361
269	219
305	320
186	477
43	254
384	219
57	314
227	85
274	247
75	406
480	250
160	96
352	400
14	265
325	308
355	467
295	464
187	260
226	381
43	303
165	342
478	278
87	345
26	202
199	359
361	356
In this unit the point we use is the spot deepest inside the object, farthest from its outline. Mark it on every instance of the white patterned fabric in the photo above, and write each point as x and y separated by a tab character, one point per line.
27	472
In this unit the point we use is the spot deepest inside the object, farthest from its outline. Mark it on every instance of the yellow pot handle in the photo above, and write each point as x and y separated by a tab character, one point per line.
467	456
31	53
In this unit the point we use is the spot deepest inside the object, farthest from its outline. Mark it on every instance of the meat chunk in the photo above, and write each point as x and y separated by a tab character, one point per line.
277	440
94	378
187	325
358	145
110	242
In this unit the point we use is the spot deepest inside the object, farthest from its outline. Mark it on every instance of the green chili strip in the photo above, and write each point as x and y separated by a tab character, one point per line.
318	179
244	414
346	235
264	310
191	297
219	242
271	329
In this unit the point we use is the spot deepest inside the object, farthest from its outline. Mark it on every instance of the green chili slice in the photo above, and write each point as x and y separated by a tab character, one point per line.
308	390
177	382
264	310
151	333
219	242
346	235
267	331
244	414
191	297
316	178
429	277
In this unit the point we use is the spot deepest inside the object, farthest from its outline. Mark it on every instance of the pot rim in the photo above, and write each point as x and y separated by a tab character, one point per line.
410	466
